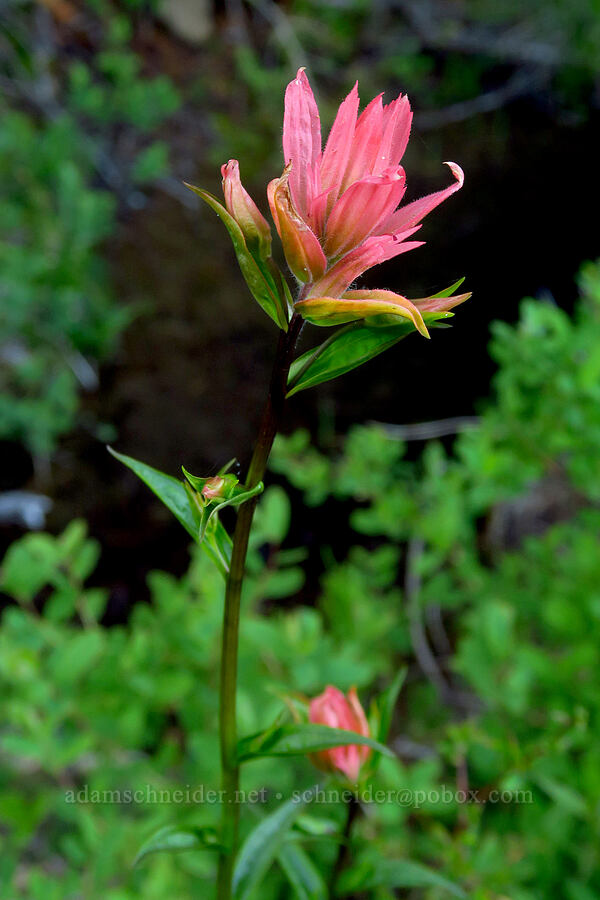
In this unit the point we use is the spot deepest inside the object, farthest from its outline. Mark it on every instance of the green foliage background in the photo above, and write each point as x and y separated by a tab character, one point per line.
75	143
485	558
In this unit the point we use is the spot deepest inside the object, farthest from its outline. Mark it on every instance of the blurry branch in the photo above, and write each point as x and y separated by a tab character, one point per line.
406	748
237	32
283	32
437	630
62	10
422	650
460	700
178	191
426	431
517	44
522	82
41	93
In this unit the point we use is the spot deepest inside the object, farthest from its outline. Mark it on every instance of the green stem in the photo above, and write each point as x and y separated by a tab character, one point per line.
343	856
231	619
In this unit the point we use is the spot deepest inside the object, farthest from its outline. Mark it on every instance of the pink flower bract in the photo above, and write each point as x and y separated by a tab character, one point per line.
338	210
337	710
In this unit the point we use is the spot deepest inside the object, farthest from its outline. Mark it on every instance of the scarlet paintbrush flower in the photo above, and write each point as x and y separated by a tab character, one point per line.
337	210
338	711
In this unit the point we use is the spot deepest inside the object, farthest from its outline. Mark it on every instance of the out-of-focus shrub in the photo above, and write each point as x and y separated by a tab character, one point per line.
479	569
82	142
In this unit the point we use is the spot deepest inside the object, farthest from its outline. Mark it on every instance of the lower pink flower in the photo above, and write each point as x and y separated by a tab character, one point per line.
337	710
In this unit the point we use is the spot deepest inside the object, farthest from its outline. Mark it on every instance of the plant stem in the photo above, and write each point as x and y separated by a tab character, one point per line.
344	848
231	618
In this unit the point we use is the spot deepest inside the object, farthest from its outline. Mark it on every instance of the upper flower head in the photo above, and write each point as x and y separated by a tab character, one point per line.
338	711
339	214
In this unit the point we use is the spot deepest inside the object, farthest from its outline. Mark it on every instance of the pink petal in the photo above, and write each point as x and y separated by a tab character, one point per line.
361	725
332	708
356	305
339	145
302	141
244	210
401	307
300	245
318	212
366	143
412	213
348	761
361	209
397	119
328	708
373	251
440	304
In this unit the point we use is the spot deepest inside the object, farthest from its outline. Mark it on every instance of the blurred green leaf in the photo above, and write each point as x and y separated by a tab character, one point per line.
298	739
386	704
152	163
263	844
301	872
400	873
563	795
172	839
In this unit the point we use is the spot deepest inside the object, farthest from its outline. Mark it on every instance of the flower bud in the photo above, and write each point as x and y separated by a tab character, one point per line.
338	711
214	488
241	206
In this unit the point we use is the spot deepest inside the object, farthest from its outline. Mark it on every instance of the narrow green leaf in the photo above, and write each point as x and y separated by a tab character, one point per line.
398	873
387	704
297	739
301	873
218	545
171	839
563	795
280	287
258	278
317	827
168	489
348	348
263	844
173	494
447	292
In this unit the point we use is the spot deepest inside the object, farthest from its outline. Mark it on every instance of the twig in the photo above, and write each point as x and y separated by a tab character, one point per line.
412	589
283	31
344	849
522	82
460	700
516	44
435	624
426	431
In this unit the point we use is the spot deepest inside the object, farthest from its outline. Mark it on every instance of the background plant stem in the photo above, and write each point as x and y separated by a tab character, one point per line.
343	855
231	618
